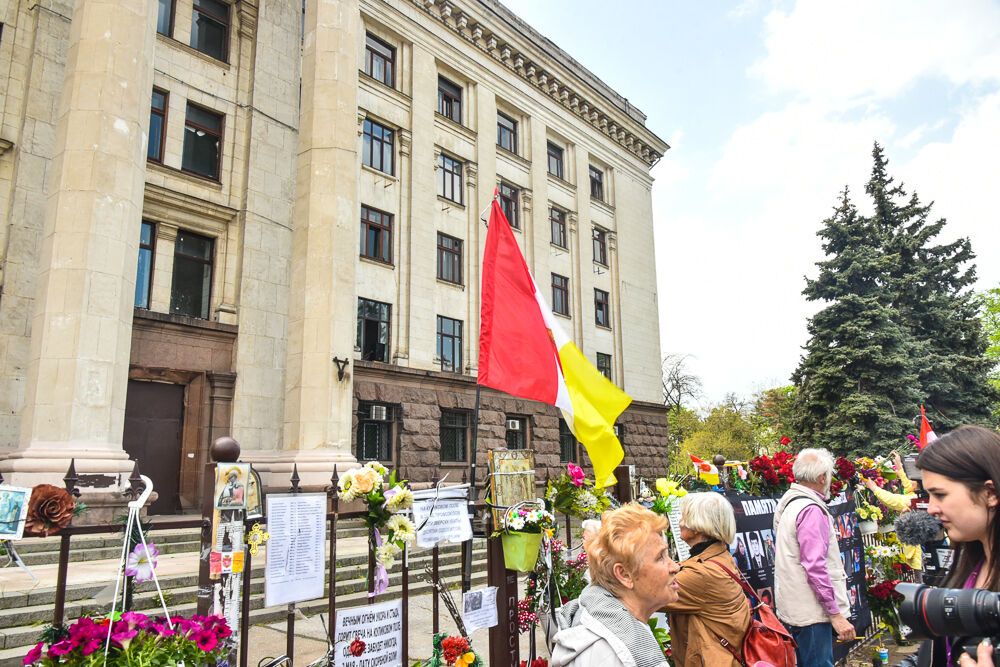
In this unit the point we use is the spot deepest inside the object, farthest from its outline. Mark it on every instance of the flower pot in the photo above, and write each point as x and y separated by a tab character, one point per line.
887	528
867	527
520	550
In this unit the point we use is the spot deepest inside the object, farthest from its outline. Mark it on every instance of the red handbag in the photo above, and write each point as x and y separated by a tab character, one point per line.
767	641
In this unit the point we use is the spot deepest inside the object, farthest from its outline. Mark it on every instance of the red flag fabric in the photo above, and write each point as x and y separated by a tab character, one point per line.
927	435
516	352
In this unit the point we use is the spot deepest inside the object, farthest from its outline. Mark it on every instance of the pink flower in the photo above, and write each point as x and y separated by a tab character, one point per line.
62	648
91	645
576	474
206	640
141	562
34	654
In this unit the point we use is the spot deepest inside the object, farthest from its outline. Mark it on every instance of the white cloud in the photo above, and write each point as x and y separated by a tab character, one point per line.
843	52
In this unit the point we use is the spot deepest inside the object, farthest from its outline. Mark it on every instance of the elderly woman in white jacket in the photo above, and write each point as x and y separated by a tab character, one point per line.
632	576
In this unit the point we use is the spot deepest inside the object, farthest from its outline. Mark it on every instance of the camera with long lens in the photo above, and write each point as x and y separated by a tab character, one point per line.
968	614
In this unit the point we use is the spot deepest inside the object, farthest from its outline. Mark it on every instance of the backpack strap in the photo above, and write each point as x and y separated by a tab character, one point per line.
750	593
729	647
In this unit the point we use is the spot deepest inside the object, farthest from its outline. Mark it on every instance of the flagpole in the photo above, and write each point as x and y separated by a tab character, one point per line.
467	545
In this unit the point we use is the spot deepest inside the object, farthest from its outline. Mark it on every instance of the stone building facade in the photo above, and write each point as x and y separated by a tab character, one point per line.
262	218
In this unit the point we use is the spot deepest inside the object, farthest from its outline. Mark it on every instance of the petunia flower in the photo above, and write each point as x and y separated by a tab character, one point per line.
141	562
33	655
206	640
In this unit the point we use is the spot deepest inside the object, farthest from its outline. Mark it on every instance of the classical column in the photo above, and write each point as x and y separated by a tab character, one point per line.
81	325
616	311
403	234
470	270
322	297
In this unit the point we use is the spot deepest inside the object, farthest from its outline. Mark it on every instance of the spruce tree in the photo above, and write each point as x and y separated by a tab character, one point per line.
856	388
929	286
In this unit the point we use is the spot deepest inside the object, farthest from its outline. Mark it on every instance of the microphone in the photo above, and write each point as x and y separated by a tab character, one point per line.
917	527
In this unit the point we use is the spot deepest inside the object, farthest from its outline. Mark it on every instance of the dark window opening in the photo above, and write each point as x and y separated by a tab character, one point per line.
600	246
517	433
165	17
450	181
506	132
210	28
560	294
157	125
144	272
449	259
376	150
557	220
376	430
449	100
508	203
190	290
380	60
555	155
454	436
604	364
376	235
596	183
202	142
567	443
449	344
373	330
602	309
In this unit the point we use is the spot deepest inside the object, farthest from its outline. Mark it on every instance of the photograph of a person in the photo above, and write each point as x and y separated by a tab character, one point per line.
473	601
766	596
740	554
230	485
767	536
756	551
13	511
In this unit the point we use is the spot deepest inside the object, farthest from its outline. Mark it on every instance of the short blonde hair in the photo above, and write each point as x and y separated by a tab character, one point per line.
710	514
624	532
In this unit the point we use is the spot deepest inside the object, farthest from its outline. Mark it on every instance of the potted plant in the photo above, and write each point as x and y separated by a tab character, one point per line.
521	534
869	516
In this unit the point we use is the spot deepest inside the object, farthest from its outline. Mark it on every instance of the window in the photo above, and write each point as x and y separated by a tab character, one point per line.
373	330
508	203
376	235
449	344
144	273
560	294
602	312
450	182
202	142
375	431
454	436
377	150
192	283
596	183
380	60
449	100
620	433
555	160
210	28
604	364
600	246
557	220
567	443
506	132
517	432
165	17
449	263
157	125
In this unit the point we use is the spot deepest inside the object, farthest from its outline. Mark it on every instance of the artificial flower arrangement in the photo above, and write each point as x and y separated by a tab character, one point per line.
451	651
389	531
568	575
868	511
523	527
573	494
50	509
136	639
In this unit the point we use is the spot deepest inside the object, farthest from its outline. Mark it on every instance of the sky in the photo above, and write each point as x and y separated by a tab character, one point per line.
771	109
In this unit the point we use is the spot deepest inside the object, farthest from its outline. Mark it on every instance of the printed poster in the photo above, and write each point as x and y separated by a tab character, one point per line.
296	552
379	626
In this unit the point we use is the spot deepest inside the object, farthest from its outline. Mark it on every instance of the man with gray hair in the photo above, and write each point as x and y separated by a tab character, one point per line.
810	584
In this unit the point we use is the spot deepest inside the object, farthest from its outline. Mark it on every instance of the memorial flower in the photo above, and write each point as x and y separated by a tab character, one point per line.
356	648
401	527
573	494
141	562
50	509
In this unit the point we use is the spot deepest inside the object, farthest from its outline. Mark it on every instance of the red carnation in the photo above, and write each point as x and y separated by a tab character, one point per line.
356	648
453	648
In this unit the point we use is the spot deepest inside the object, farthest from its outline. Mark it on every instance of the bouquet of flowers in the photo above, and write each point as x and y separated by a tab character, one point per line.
868	511
844	474
883	600
667	493
567	576
528	519
389	530
452	651
771	475
522	529
136	639
573	494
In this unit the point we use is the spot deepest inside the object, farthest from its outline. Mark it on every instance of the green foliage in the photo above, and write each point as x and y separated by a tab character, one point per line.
899	327
725	431
990	305
772	417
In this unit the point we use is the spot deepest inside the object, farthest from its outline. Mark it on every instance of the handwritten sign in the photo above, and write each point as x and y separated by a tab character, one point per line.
295	553
379	626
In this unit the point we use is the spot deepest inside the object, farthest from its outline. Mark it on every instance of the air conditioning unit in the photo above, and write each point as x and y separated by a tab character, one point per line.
380	413
513	424
618	430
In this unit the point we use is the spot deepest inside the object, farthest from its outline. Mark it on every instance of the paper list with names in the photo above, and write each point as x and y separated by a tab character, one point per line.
295	552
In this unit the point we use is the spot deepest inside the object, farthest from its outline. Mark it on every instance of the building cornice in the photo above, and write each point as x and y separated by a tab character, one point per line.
575	88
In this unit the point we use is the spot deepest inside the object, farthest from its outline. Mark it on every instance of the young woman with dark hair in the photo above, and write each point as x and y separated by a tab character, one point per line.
961	474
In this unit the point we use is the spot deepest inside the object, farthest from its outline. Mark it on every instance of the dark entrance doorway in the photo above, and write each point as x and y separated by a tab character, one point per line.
154	416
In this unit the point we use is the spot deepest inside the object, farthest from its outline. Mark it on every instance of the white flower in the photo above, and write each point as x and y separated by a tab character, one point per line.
377	467
402	500
517	523
587	500
385	555
346	488
401	528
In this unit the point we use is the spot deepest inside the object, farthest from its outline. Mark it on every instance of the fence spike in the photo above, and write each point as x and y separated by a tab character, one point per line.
135	484
295	479
71	479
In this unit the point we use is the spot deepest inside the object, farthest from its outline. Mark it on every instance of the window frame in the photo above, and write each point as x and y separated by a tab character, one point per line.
389	423
368	137
525	441
456	253
163	114
170	20
455	340
151	247
372	44
462	428
560	284
564	433
360	339
510	195
227	25
600	245
451	169
511	130
599	181
211	273
384	226
557	154
557	217
449	99
602	305
197	126
609	366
